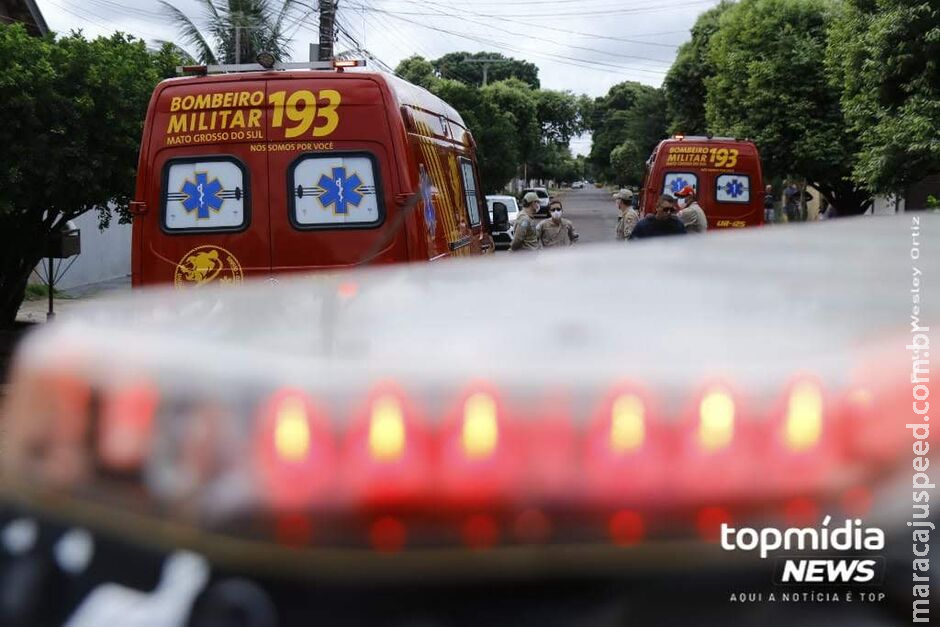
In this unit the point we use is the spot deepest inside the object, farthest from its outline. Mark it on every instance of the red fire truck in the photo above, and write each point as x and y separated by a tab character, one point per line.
253	171
725	172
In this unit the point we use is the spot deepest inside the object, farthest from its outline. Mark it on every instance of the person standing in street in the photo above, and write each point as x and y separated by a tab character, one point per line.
524	236
663	222
628	215
690	212
556	231
770	211
791	201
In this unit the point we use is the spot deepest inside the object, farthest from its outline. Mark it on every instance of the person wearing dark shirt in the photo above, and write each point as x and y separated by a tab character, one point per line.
770	209
663	222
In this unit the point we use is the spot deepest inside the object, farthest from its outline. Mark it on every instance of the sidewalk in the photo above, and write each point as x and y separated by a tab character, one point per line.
35	310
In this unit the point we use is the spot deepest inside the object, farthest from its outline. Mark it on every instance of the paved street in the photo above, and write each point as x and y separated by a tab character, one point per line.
593	213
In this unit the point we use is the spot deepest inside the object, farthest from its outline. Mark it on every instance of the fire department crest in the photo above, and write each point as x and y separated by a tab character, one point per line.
207	264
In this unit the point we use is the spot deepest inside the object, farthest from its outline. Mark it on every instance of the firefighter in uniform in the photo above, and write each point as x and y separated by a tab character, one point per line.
556	231
690	212
628	215
524	236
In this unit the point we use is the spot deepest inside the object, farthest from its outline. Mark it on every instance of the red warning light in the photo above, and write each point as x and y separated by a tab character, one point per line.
125	431
295	452
720	447
388	451
479	456
626	450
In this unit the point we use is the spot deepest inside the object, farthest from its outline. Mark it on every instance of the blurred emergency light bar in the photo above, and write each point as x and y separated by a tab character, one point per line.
555	398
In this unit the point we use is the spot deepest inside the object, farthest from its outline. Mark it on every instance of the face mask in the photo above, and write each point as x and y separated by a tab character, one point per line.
682	203
556	214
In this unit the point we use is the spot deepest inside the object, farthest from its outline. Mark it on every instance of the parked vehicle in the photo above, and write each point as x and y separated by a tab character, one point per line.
261	172
725	172
503	211
577	185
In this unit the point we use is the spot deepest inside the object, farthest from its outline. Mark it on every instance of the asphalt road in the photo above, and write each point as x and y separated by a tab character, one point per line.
593	213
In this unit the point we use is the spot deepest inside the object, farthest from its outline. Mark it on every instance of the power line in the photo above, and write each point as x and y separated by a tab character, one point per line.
390	26
567	45
573	61
557	30
609	12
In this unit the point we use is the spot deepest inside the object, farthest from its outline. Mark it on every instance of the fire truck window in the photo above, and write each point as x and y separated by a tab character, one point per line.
470	191
675	181
204	194
334	191
733	188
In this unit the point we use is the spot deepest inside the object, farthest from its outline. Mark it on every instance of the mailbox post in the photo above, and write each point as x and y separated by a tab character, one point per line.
61	244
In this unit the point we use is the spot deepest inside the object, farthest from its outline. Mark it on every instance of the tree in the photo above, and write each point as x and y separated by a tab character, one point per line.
684	85
770	85
630	112
73	116
418	70
554	161
644	126
884	58
257	25
492	127
455	65
559	115
520	102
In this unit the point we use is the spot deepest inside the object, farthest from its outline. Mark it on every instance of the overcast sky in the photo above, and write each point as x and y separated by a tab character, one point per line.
584	46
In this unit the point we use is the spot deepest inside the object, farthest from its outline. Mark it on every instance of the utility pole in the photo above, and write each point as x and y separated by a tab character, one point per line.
327	27
485	63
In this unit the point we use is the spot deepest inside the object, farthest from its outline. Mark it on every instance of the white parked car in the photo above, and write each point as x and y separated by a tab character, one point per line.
502	236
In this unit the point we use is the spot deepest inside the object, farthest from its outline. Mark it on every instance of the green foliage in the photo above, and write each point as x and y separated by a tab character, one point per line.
261	26
418	70
684	85
493	129
520	102
626	124
517	126
455	65
559	115
73	116
884	58
770	84
554	161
